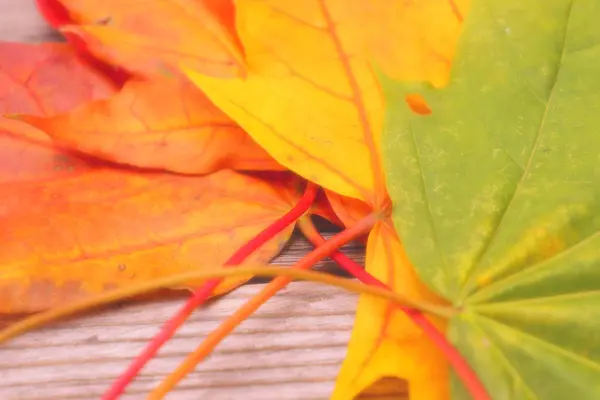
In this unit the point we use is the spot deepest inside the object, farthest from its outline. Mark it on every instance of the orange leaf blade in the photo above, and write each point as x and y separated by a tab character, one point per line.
185	134
70	230
310	98
147	37
45	79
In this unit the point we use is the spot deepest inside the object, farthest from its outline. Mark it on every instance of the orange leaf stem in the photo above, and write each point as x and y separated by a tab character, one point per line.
34	321
326	248
464	371
201	295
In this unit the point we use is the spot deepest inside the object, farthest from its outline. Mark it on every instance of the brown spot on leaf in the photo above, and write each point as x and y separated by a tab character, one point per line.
386	388
104	21
417	104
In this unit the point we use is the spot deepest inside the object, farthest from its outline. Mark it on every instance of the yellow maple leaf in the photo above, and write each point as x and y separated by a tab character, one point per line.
312	100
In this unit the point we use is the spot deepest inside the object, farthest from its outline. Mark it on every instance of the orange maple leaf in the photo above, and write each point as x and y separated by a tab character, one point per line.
163	123
73	226
149	37
46	79
348	209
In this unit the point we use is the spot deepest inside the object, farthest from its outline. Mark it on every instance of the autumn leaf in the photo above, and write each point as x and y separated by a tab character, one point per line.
321	115
305	64
347	209
149	38
315	100
74	226
75	230
46	79
185	134
57	16
417	52
497	194
386	342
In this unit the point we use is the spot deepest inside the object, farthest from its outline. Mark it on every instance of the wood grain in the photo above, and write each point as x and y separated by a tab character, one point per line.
290	350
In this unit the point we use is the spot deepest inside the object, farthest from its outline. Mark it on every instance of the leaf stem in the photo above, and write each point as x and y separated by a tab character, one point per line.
464	371
45	317
202	294
249	307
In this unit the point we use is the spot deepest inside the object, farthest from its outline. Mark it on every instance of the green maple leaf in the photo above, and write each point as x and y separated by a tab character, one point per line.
497	195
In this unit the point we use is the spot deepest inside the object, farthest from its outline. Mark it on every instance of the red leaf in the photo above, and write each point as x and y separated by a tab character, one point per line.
46	79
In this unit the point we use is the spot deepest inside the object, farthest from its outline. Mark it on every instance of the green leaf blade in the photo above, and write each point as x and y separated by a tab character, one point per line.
497	193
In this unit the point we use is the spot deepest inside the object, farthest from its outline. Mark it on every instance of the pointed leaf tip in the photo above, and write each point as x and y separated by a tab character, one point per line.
147	38
187	134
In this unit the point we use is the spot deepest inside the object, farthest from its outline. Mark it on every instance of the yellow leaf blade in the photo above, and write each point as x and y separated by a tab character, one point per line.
385	342
413	40
147	36
309	94
187	134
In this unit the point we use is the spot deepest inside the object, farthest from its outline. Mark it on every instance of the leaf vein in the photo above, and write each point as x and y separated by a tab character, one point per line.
469	274
509	279
357	95
428	202
512	370
341	174
545	343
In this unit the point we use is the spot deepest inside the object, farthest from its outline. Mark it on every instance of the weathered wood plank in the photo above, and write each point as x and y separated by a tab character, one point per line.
291	349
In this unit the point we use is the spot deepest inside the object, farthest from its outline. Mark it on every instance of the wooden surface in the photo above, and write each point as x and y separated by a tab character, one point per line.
291	349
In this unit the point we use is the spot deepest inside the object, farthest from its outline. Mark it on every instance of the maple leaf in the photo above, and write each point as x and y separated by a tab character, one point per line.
111	227
46	79
347	209
339	97
309	64
73	226
349	112
497	194
149	38
186	134
57	16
